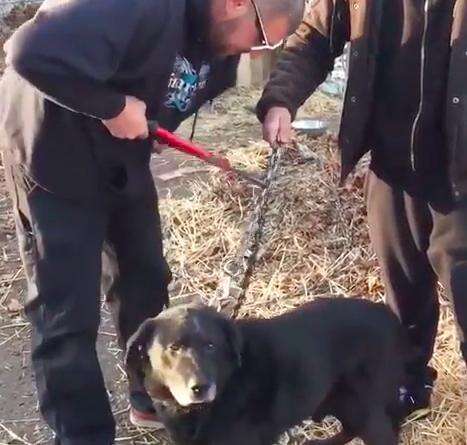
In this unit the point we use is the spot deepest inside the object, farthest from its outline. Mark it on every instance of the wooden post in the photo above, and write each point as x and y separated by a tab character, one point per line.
254	68
244	71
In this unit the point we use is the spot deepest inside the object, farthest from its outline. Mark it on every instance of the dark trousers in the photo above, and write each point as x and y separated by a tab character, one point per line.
61	243
418	242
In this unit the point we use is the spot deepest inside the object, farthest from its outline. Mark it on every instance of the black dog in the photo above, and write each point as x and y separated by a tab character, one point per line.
220	382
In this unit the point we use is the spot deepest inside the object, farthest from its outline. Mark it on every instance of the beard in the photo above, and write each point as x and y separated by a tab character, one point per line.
220	37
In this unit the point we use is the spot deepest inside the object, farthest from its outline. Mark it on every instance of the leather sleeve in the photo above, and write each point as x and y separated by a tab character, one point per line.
308	57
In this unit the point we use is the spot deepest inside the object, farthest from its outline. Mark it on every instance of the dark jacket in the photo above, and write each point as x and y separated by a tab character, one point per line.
309	58
72	65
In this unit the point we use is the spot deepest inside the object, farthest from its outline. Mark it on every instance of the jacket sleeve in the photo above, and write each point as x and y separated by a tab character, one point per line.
306	61
70	52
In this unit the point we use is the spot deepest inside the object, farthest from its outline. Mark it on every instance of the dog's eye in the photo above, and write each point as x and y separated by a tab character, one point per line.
175	347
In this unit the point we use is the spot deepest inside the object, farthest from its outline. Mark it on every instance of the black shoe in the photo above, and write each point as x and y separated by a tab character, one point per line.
415	397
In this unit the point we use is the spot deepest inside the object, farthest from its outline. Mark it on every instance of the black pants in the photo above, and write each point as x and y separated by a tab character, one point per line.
418	242
61	243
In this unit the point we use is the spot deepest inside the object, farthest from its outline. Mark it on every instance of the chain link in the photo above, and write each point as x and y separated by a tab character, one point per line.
256	227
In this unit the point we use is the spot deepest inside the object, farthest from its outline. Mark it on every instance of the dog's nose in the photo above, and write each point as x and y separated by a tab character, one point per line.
200	390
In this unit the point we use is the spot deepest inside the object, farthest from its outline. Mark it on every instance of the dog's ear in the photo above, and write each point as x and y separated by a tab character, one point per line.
137	349
234	339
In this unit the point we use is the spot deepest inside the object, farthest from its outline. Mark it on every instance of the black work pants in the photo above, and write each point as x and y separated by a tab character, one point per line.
420	241
61	244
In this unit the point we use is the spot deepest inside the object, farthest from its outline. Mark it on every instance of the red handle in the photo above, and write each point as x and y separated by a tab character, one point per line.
170	139
166	137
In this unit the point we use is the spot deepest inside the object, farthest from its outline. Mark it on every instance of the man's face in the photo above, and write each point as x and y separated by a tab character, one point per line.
238	26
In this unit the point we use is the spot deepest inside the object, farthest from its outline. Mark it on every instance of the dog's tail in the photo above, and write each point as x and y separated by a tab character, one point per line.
340	438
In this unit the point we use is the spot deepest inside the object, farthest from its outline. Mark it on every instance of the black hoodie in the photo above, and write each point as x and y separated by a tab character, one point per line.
72	65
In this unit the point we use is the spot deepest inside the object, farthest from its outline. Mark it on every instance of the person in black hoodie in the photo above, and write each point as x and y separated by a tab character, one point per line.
82	79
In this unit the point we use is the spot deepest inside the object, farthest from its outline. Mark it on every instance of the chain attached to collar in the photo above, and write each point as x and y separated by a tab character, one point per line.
256	228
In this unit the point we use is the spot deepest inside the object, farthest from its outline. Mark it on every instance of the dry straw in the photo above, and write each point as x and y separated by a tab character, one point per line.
315	244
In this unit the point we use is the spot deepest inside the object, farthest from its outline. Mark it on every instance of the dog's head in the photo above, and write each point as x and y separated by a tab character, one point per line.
187	353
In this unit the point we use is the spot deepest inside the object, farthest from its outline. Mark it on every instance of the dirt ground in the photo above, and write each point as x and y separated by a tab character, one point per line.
229	125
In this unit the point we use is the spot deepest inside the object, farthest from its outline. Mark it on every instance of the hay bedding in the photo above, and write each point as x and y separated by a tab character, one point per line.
8	24
315	244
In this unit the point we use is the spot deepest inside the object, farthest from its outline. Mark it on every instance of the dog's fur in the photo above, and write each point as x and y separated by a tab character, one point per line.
340	357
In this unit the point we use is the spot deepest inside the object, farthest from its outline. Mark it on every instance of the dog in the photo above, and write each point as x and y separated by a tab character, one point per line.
216	381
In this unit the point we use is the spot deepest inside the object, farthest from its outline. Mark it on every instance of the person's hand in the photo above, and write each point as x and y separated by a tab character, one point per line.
277	126
131	123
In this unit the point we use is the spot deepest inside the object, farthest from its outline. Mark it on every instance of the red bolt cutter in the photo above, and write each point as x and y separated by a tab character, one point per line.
166	137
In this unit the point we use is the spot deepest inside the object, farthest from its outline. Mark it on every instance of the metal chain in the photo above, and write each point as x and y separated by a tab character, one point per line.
256	227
